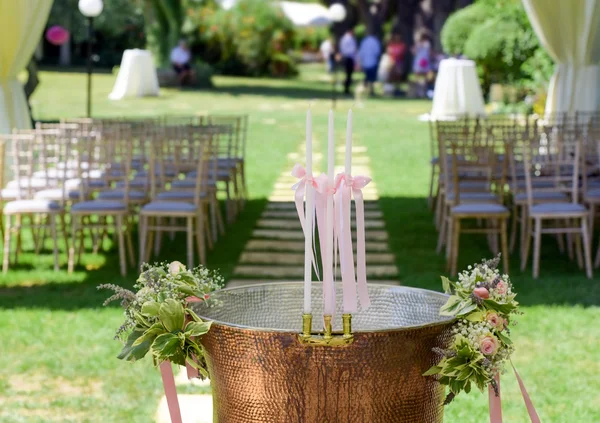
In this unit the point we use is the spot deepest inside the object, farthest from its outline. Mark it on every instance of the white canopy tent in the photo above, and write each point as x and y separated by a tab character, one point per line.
22	23
306	14
301	14
570	32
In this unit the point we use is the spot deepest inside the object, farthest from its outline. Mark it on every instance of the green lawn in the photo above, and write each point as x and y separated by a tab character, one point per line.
57	357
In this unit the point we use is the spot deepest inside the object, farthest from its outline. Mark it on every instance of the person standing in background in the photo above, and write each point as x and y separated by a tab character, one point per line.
422	63
368	56
397	50
348	48
180	60
328	54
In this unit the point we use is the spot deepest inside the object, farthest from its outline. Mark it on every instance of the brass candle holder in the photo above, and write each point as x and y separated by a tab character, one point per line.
327	337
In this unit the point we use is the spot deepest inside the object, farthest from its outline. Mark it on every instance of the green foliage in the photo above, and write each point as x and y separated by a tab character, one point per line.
459	25
482	301
118	27
251	38
159	318
309	38
499	37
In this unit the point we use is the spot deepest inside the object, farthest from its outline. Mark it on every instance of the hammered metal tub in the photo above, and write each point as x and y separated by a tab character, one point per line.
260	372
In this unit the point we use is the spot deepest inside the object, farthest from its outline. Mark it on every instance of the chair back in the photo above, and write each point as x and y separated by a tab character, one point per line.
558	163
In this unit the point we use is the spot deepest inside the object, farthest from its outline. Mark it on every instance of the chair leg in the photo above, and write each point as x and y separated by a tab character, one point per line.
202	234
219	216
449	232
63	224
569	241
597	259
150	240
74	229
143	235
513	227
504	244
172	222
591	222
158	236
526	244
54	240
587	246
578	252
455	246
439	209
190	242
442	235
430	197
525	229
537	247
19	228
7	232
129	241
121	238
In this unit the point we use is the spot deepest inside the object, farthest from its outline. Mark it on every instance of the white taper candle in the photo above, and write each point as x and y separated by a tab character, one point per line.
329	289
309	218
349	143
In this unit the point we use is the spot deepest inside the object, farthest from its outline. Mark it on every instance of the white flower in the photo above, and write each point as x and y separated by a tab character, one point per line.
175	267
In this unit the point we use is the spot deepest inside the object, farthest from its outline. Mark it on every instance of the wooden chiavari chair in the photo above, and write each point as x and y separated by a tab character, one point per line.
162	213
558	161
102	215
477	159
28	154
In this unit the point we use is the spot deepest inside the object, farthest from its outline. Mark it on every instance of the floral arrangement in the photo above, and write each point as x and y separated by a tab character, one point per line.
158	318
483	302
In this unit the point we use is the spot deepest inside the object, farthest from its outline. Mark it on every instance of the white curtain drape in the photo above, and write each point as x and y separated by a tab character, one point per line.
21	25
570	31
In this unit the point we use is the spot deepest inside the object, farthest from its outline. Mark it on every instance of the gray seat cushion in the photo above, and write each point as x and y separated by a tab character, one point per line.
169	206
98	205
593	194
119	194
481	197
31	206
542	196
558	208
479	209
178	196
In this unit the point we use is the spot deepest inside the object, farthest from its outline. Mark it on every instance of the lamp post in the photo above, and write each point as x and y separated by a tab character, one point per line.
90	9
337	13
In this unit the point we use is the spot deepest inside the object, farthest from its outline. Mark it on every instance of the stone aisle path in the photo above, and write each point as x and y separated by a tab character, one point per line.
276	250
276	253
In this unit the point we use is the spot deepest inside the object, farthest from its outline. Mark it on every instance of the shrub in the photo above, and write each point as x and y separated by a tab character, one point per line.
498	36
310	38
248	36
459	25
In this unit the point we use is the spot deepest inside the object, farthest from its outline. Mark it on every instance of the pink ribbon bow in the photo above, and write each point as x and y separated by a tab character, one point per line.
347	186
496	403
300	187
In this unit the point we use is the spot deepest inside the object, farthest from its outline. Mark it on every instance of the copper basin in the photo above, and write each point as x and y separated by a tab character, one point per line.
260	372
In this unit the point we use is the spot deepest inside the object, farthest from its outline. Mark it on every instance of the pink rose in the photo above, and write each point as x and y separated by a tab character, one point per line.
495	320
488	345
501	288
481	293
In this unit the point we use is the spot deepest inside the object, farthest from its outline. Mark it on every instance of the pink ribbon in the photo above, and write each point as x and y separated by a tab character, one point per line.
170	391
346	184
299	187
495	401
323	191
